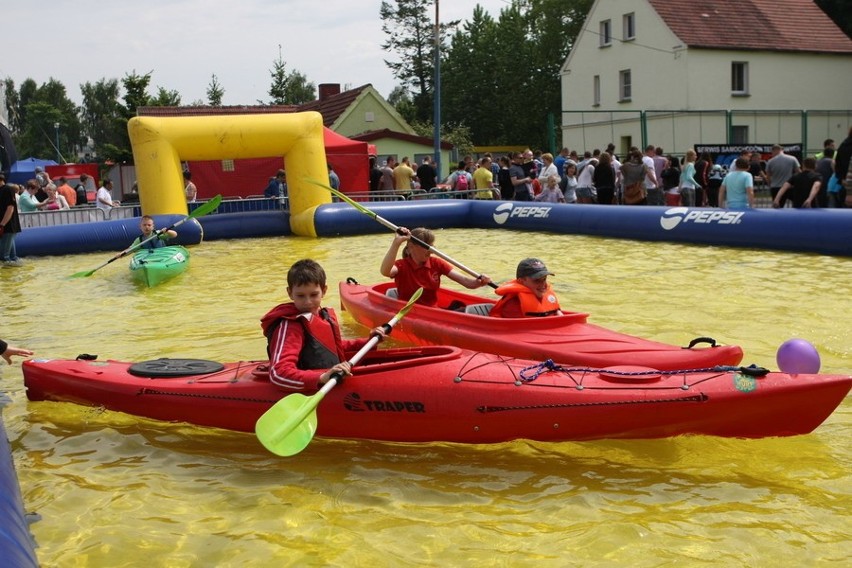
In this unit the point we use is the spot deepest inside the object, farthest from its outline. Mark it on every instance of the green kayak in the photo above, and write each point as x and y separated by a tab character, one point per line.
150	267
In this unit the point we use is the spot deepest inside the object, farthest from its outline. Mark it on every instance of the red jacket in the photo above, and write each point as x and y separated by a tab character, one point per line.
302	346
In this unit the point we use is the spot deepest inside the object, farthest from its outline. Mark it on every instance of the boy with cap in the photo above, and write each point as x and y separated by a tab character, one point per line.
529	294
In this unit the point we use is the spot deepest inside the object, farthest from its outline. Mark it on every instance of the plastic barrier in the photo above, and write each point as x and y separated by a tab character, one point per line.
104	236
16	544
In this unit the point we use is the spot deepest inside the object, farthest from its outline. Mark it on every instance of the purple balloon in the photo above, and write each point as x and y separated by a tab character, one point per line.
797	356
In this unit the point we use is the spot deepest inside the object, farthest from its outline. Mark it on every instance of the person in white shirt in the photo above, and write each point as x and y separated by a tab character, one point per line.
104	198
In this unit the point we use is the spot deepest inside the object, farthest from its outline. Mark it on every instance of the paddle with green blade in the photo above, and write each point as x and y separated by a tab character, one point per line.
289	426
200	211
376	217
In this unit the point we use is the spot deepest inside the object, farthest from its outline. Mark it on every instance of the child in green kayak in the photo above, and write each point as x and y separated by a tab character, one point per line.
147	227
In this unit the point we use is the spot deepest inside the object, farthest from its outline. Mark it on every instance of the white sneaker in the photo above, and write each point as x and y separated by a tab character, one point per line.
13	263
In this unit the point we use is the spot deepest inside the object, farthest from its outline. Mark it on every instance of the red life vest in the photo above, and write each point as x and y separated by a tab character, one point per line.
531	306
321	348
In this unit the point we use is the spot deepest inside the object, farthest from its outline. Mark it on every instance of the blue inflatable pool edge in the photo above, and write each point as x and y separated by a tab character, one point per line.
17	547
822	231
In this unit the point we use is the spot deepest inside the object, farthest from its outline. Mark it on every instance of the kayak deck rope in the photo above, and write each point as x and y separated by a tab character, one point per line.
532	372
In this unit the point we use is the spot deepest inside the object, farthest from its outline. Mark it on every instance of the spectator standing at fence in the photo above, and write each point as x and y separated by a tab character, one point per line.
842	158
825	169
333	178
375	175
801	189
54	201
586	192
737	188
190	189
427	175
81	191
504	180
635	172
10	224
604	180
559	161
653	188
403	176
27	202
779	169
688	183
827	144
460	180
483	179
277	187
66	191
104	199
520	180
702	171
387	175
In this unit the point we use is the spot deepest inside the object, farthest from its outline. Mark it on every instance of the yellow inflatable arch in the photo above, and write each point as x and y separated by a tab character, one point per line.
161	143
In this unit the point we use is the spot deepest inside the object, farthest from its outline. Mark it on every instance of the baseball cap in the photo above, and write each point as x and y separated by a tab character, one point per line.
532	268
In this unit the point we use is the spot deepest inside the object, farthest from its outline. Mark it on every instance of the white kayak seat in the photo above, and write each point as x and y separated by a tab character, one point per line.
478	309
391	293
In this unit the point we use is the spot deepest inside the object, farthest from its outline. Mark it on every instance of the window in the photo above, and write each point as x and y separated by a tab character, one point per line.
625	92
739	78
629	25
606	33
739	134
597	90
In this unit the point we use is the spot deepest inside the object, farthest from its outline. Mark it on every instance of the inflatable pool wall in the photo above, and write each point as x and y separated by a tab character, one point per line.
823	231
16	544
114	235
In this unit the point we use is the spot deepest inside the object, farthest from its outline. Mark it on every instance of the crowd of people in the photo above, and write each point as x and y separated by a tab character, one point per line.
641	177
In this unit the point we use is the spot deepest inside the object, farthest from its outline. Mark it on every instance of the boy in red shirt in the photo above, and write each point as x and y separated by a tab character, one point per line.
419	269
303	338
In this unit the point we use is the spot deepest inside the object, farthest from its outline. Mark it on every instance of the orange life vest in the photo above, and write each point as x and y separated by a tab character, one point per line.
531	305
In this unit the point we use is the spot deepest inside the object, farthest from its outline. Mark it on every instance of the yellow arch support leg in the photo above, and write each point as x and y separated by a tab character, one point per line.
161	143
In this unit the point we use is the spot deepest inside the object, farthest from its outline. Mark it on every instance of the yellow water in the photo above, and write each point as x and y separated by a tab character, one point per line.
114	490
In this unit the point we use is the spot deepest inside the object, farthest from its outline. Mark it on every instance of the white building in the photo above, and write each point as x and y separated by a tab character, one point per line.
675	73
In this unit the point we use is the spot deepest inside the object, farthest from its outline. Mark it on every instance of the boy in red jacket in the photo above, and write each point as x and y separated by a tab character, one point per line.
303	338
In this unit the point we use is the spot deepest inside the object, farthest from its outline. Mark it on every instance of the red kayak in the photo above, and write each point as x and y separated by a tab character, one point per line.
426	394
568	338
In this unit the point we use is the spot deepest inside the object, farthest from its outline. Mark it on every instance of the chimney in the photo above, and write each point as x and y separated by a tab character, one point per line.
327	90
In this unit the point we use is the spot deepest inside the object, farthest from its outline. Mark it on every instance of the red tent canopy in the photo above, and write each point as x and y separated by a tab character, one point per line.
248	177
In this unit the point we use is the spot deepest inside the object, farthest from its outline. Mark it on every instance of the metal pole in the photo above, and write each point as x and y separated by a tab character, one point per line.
436	99
58	153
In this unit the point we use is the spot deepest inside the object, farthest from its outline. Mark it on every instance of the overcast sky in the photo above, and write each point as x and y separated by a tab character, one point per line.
184	42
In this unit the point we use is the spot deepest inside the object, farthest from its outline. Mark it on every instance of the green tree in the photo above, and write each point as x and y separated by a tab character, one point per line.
409	27
400	99
13	105
299	90
291	88
215	92
165	97
48	122
103	116
135	92
501	78
278	87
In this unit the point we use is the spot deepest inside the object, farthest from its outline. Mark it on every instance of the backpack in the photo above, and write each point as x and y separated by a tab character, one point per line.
461	182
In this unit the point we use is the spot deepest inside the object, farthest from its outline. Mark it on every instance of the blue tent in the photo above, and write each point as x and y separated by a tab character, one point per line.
22	170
